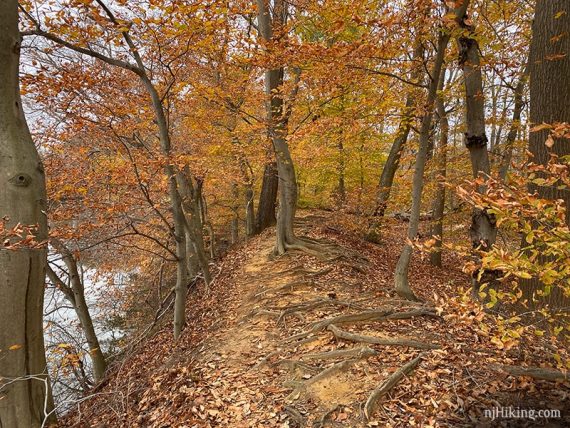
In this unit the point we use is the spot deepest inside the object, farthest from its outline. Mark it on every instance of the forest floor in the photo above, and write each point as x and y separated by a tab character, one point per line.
299	341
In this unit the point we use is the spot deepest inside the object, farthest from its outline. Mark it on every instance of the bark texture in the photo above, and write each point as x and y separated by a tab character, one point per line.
25	397
514	129
483	231
550	103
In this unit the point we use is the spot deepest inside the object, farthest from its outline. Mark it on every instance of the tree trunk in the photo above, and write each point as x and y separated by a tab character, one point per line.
393	161
81	309
235	219
549	103
515	126
267	198
341	174
439	200
483	231
249	211
193	214
402	286
277	121
24	400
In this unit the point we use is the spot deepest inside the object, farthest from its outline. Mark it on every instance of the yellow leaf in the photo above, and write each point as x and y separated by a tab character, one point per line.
14	347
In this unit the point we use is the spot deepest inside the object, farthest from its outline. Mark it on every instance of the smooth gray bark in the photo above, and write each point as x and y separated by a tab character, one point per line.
25	397
277	124
267	198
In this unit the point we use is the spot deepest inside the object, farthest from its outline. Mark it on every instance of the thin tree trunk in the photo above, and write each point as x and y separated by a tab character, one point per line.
341	174
515	126
193	226
439	200
81	309
402	286
235	219
393	161
249	211
24	401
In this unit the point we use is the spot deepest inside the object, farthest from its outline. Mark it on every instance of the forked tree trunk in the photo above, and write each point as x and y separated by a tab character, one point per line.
393	161
22	271
439	200
75	294
402	286
277	119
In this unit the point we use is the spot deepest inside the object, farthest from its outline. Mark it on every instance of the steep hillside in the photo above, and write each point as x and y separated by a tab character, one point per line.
322	341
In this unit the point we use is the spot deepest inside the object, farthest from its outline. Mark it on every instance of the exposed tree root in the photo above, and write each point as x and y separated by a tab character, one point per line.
398	341
372	315
363	352
326	416
533	372
314	304
387	385
367	316
295	415
380	314
289	285
297	365
331	371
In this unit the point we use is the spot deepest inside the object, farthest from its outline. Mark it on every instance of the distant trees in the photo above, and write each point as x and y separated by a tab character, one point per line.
25	395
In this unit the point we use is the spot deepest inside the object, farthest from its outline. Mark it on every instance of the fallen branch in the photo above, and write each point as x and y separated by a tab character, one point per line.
387	385
533	372
345	335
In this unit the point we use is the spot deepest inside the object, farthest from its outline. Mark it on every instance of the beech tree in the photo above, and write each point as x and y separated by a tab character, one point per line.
25	395
271	23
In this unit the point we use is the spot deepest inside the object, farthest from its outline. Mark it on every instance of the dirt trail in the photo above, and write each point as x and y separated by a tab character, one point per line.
300	341
277	361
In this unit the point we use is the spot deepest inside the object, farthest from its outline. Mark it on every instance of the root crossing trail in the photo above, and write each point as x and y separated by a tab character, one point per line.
305	341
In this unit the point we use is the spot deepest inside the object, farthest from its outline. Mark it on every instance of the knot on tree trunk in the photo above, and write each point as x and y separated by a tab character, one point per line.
475	141
465	45
483	229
